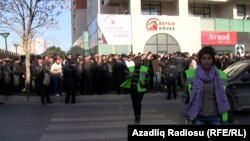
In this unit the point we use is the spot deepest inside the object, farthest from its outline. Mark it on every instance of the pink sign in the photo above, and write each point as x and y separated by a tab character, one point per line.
218	38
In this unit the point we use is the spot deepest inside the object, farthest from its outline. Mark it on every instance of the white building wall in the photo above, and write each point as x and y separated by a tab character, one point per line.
184	27
135	8
182	8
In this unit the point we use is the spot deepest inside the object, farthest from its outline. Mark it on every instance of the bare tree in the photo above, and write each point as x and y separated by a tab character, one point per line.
25	18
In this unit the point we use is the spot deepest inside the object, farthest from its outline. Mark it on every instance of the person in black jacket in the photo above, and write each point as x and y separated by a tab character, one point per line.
1	77
171	76
39	75
17	73
7	74
120	71
70	80
46	85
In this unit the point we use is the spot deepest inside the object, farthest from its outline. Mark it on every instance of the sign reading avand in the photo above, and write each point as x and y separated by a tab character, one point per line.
218	38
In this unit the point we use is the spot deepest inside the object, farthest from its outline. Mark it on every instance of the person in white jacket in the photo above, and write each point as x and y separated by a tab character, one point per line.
193	62
56	75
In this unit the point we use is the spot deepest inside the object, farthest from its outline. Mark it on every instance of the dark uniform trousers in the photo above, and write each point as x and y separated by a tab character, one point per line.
136	101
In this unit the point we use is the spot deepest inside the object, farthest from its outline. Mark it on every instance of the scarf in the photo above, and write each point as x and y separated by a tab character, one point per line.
194	106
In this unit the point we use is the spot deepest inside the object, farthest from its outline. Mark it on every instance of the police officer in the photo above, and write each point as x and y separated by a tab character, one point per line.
137	84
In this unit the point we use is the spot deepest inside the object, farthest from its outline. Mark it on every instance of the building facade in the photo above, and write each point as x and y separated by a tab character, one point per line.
78	21
167	26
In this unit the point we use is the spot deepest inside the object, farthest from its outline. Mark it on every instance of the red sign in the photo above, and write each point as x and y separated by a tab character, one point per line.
218	38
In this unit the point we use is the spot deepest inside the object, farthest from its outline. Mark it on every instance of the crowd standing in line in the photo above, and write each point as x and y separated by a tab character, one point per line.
58	75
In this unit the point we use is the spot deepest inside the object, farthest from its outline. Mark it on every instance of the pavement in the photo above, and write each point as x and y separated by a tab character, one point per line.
92	118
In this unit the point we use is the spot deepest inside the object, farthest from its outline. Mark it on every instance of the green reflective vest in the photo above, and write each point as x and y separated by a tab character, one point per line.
190	73
143	72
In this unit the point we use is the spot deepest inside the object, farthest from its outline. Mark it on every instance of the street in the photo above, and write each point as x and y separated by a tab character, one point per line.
93	118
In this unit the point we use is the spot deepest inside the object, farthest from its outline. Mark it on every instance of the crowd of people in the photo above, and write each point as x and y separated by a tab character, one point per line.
200	76
100	74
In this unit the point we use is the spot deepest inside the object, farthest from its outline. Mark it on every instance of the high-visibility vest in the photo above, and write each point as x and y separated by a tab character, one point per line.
143	72
190	73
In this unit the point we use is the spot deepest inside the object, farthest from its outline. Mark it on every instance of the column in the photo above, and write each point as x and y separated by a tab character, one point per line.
182	8
135	7
135	11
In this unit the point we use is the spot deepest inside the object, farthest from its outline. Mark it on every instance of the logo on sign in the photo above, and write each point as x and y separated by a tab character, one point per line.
155	24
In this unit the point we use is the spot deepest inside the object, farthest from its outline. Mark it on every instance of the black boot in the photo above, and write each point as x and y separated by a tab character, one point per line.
137	118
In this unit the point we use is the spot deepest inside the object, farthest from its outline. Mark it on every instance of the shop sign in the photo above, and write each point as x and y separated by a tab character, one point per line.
240	49
218	38
114	29
154	24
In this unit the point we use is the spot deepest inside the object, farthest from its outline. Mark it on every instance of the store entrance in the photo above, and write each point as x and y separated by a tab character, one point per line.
162	43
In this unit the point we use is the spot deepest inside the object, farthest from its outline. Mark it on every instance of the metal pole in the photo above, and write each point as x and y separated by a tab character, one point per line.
5	35
6	49
16	46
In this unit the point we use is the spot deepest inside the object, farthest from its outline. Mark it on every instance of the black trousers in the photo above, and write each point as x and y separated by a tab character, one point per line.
136	101
1	86
180	80
45	94
171	85
7	87
70	93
